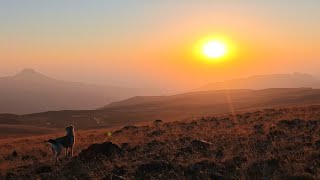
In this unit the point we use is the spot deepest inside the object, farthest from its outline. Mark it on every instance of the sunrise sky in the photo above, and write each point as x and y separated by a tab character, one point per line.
148	43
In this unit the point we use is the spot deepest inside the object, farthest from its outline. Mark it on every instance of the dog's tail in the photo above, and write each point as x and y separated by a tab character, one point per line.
50	141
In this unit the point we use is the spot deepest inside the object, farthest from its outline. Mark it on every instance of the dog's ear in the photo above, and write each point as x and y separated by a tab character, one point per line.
69	128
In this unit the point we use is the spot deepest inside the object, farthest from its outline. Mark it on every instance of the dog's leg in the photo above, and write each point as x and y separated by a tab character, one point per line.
71	151
59	149
53	155
67	152
55	158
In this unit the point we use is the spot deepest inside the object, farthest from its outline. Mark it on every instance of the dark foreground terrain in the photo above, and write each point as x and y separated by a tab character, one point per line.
266	144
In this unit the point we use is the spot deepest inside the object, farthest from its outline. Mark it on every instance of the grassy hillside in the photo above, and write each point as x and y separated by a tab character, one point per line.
7	130
265	144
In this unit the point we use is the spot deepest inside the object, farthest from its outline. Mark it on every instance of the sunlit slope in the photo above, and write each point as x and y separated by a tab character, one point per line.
168	108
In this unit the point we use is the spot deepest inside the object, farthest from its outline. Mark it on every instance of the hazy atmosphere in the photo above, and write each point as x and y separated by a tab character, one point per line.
160	89
151	43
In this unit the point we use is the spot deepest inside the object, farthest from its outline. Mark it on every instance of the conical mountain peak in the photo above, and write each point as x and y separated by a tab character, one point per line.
30	74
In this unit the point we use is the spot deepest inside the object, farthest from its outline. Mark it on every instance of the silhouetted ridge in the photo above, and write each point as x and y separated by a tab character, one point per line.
295	80
29	91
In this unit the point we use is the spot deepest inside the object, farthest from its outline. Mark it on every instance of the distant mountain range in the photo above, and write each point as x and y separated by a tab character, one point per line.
30	92
296	80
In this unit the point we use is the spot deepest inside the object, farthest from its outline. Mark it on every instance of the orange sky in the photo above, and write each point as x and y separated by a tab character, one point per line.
145	43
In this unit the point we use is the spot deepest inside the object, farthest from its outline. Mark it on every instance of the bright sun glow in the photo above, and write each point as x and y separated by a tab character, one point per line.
214	49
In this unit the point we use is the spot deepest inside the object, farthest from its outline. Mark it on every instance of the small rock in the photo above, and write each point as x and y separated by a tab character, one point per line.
130	128
107	149
14	154
158	121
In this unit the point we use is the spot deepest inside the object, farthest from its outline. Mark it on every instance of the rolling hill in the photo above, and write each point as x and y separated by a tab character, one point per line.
295	80
169	108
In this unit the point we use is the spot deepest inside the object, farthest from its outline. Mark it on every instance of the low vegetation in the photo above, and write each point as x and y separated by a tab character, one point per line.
266	144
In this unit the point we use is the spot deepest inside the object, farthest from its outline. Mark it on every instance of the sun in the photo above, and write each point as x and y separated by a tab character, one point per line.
214	49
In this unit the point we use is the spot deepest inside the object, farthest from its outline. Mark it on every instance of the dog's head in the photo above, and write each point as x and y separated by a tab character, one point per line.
70	129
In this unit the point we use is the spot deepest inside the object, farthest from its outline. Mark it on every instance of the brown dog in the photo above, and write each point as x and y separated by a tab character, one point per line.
66	142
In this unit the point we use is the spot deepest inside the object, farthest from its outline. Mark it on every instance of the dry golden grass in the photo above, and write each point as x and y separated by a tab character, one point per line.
13	130
266	144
